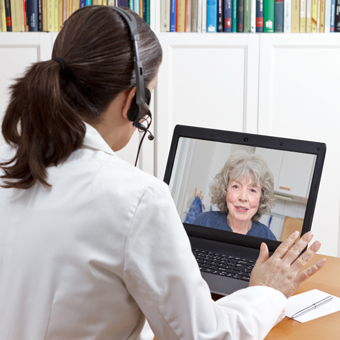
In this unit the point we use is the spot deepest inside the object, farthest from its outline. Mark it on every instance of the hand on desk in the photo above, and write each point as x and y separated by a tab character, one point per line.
281	270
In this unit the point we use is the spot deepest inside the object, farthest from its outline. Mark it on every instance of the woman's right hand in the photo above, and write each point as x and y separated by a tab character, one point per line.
282	270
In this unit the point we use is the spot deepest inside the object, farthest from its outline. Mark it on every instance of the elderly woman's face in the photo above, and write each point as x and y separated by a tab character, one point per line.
243	199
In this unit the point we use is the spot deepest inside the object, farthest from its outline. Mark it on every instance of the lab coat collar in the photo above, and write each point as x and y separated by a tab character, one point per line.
94	140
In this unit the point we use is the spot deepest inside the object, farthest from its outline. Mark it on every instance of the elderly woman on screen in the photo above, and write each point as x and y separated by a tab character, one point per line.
243	191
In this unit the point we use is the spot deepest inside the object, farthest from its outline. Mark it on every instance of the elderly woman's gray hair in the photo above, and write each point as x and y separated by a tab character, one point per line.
242	164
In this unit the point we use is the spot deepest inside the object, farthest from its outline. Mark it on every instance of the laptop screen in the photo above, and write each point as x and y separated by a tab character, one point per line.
211	184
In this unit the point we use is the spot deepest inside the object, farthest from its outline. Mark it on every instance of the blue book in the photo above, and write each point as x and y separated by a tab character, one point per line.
82	3
227	15
32	14
332	15
136	6
259	16
88	2
211	16
173	11
278	16
234	18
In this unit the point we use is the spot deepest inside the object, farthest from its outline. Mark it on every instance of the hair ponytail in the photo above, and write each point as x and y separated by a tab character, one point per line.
42	127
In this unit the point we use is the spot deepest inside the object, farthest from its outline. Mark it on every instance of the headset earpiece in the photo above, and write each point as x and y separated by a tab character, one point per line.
134	114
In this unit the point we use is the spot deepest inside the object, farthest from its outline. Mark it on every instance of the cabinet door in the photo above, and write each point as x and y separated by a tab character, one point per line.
207	80
17	52
298	98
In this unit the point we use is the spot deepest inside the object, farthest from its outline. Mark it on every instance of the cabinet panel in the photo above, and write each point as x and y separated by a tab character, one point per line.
298	94
205	80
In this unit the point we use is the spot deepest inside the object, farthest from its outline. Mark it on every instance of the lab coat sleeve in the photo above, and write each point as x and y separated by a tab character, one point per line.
163	277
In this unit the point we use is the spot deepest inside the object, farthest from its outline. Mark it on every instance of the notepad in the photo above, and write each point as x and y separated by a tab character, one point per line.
303	300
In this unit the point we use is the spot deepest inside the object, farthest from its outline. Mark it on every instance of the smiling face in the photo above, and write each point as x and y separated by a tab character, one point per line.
243	199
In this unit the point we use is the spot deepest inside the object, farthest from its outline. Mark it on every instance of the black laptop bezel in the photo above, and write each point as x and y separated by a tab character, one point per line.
284	144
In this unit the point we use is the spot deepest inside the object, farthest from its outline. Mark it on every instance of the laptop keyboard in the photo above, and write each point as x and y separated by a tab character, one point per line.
224	265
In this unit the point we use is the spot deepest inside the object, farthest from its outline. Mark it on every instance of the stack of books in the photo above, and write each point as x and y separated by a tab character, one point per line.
269	16
49	15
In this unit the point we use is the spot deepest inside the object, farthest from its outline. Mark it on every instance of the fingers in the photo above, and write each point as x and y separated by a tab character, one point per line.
297	248
307	273
306	256
264	254
282	249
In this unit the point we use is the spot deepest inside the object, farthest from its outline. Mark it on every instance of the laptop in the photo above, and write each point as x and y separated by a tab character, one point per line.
197	154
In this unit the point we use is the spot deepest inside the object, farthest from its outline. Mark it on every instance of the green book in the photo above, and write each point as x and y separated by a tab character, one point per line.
234	16
246	16
268	16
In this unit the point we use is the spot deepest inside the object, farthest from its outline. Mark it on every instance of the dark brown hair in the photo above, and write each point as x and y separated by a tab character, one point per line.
44	119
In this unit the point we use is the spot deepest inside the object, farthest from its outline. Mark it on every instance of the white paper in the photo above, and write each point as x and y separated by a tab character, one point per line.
303	300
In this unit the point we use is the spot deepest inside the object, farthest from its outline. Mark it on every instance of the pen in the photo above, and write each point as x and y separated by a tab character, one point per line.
313	306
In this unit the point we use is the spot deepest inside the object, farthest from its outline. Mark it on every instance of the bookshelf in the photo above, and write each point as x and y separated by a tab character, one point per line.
276	84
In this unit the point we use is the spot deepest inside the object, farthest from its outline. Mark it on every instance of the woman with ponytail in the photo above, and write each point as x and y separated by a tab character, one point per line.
90	246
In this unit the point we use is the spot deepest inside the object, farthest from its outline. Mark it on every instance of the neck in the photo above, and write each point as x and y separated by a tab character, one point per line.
239	227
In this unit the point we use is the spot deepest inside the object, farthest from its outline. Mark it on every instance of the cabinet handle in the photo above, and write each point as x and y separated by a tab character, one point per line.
284	188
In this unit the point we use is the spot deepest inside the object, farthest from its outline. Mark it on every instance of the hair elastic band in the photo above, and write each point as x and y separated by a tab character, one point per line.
65	73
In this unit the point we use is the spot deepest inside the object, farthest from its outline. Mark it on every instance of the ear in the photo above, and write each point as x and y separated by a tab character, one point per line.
129	94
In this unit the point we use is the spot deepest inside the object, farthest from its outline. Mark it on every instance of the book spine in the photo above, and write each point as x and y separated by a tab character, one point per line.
147	11
332	16
165	15
32	10
50	15
104	3
234	16
303	4
194	13
220	16
26	18
204	16
144	9
211	16
240	16
314	15
309	16
188	16
328	16
173	12
318	16
259	16
337	16
141	8
295	19
131	4
290	12
89	3
268	15
278	16
227	16
322	16
253	16
246	16
136	8
17	11
56	15
3	16
180	27
83	3
8	16
199	16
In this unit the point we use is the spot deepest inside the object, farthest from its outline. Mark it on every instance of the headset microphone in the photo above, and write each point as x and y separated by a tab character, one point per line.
139	126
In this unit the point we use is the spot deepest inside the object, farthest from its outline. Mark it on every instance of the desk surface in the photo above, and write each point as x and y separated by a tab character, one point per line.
326	327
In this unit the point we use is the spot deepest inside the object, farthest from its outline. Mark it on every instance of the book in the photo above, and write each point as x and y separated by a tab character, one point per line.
268	16
199	16
253	16
259	16
188	16
40	15
32	13
60	14
17	15
173	15
143	2
8	16
328	16
234	16
83	3
332	18
50	15
289	8
56	15
240	16
322	16
140	8
220	25
165	15
180	23
148	12
295	19
204	16
3	25
131	4
194	13
337	16
211	16
25	5
136	7
303	4
227	15
314	15
309	16
89	3
279	13
318	17
246	16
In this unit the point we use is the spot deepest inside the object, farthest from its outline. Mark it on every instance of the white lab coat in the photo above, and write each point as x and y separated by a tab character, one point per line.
101	249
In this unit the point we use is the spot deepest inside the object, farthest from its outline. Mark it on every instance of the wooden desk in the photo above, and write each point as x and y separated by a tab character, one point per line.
327	327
